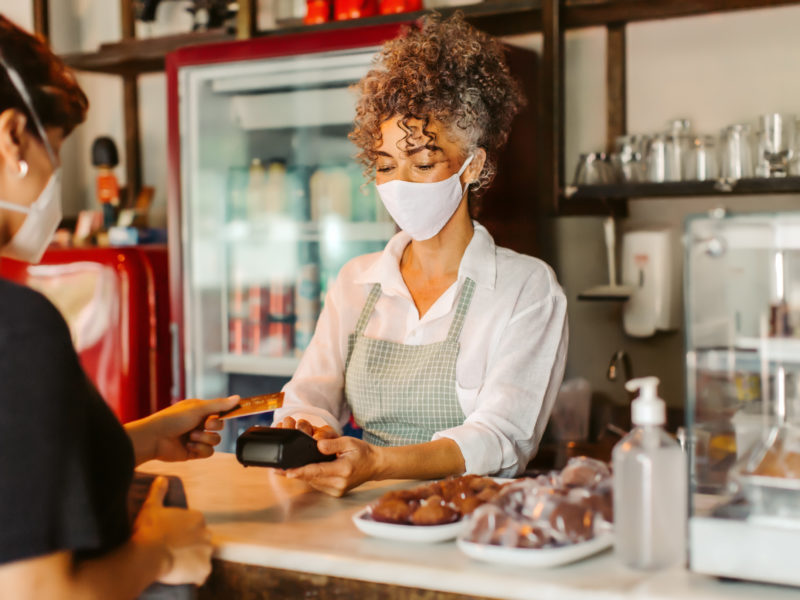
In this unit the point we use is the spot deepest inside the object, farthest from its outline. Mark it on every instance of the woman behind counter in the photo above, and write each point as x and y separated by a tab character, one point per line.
65	461
446	349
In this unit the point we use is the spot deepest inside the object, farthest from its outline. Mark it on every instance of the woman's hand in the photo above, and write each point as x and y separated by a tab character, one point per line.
356	462
326	432
183	431
180	533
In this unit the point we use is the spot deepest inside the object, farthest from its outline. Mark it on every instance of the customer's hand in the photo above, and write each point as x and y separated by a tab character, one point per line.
188	429
326	432
181	533
356	462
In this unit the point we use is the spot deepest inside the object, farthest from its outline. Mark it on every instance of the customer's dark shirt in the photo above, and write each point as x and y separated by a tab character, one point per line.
65	461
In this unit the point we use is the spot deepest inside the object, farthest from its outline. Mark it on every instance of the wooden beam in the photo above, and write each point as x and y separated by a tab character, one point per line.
616	85
552	107
41	18
128	19
247	19
133	154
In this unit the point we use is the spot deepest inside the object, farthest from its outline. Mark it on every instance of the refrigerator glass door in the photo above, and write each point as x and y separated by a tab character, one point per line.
273	204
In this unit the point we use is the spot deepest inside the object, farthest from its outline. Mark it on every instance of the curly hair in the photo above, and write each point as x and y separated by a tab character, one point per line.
443	70
57	98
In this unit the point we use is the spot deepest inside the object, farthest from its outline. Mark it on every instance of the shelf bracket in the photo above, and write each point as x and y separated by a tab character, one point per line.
616	85
552	106
41	18
247	19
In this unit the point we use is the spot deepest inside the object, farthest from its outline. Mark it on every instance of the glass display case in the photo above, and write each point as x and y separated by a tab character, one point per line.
267	203
742	292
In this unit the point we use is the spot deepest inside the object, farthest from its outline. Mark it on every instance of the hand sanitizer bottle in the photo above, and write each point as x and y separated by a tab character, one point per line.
650	486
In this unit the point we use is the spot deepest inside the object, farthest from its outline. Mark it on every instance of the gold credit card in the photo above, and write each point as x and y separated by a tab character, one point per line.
254	405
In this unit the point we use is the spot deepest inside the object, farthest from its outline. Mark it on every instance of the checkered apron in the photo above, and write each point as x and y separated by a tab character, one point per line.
402	394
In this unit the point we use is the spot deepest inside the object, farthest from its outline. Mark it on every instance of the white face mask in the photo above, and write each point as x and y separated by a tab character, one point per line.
32	238
44	215
422	209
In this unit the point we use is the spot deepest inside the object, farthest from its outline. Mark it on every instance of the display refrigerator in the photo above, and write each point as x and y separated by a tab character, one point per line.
743	394
115	302
267	201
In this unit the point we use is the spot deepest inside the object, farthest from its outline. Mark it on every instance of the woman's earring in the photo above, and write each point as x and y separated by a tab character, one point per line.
23	169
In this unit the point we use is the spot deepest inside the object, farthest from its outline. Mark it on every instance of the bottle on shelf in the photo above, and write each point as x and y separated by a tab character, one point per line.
307	305
275	188
330	193
650	486
255	189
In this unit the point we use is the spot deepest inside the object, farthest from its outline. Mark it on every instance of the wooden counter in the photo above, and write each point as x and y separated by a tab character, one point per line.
276	539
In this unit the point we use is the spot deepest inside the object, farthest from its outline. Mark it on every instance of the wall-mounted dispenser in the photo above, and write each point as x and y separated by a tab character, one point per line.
651	270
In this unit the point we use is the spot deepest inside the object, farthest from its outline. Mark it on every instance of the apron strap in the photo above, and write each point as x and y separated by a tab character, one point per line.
464	300
366	312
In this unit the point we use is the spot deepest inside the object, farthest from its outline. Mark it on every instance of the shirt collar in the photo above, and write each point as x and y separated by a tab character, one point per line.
478	263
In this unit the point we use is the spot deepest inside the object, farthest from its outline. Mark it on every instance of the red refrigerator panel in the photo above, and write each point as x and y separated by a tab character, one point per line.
115	303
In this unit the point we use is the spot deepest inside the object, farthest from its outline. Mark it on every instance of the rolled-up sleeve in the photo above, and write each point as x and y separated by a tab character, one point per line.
524	372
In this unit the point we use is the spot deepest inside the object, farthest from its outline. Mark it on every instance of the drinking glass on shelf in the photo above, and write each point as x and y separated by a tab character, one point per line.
593	168
737	154
776	144
701	162
657	158
627	159
678	141
794	163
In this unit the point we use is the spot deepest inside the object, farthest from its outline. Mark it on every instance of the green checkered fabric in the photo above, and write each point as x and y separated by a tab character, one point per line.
402	394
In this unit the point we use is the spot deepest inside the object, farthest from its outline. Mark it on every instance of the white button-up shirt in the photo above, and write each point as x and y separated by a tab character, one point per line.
510	363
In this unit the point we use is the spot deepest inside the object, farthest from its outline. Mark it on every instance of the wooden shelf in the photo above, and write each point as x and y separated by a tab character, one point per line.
622	191
132	57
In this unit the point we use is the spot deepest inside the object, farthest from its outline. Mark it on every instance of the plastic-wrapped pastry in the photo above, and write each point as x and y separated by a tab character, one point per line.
548	511
584	472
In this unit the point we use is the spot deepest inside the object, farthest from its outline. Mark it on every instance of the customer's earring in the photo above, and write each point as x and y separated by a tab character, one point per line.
23	169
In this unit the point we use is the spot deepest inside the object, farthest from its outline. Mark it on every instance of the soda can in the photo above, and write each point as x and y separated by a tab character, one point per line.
254	337
236	303
236	340
281	300
280	338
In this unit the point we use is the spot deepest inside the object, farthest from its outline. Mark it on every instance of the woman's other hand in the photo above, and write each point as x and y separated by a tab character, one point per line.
326	432
356	462
183	431
179	533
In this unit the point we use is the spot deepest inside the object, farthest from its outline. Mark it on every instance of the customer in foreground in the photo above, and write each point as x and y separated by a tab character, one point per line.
66	463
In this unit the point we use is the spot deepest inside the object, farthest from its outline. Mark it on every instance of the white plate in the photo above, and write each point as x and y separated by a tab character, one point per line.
535	557
427	534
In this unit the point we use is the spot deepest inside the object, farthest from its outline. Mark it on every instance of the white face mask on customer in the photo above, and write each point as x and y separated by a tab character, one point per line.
32	238
44	215
422	209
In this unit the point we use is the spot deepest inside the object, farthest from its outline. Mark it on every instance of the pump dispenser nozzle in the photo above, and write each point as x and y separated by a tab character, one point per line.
647	408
